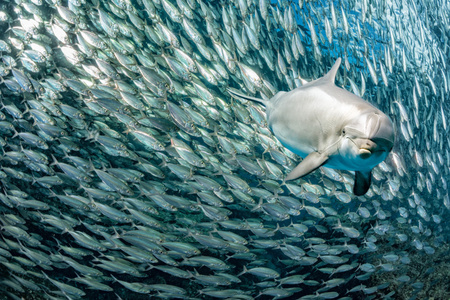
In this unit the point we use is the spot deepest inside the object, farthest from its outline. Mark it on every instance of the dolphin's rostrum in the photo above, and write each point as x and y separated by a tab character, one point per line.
329	126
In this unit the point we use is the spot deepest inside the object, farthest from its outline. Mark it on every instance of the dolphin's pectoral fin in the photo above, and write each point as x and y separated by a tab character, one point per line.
362	182
308	164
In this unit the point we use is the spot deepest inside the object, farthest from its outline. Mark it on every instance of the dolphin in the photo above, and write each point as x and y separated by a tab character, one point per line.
331	127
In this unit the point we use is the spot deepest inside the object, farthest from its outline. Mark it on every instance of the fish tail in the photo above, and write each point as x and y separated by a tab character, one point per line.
237	95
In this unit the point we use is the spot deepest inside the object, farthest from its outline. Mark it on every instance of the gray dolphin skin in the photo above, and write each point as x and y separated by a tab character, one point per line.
331	127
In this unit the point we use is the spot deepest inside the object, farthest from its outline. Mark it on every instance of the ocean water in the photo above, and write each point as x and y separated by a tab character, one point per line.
129	172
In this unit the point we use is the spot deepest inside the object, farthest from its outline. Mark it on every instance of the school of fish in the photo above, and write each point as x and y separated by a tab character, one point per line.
129	172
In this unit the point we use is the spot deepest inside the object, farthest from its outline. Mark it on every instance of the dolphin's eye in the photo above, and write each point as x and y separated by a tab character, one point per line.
343	131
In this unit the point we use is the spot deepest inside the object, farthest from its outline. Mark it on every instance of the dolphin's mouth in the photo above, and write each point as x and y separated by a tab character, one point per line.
366	150
364	153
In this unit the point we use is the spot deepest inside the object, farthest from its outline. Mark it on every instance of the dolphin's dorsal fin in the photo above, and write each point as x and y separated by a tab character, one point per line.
331	75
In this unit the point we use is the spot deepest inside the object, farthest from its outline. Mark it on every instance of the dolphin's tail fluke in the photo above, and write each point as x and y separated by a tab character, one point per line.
238	95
